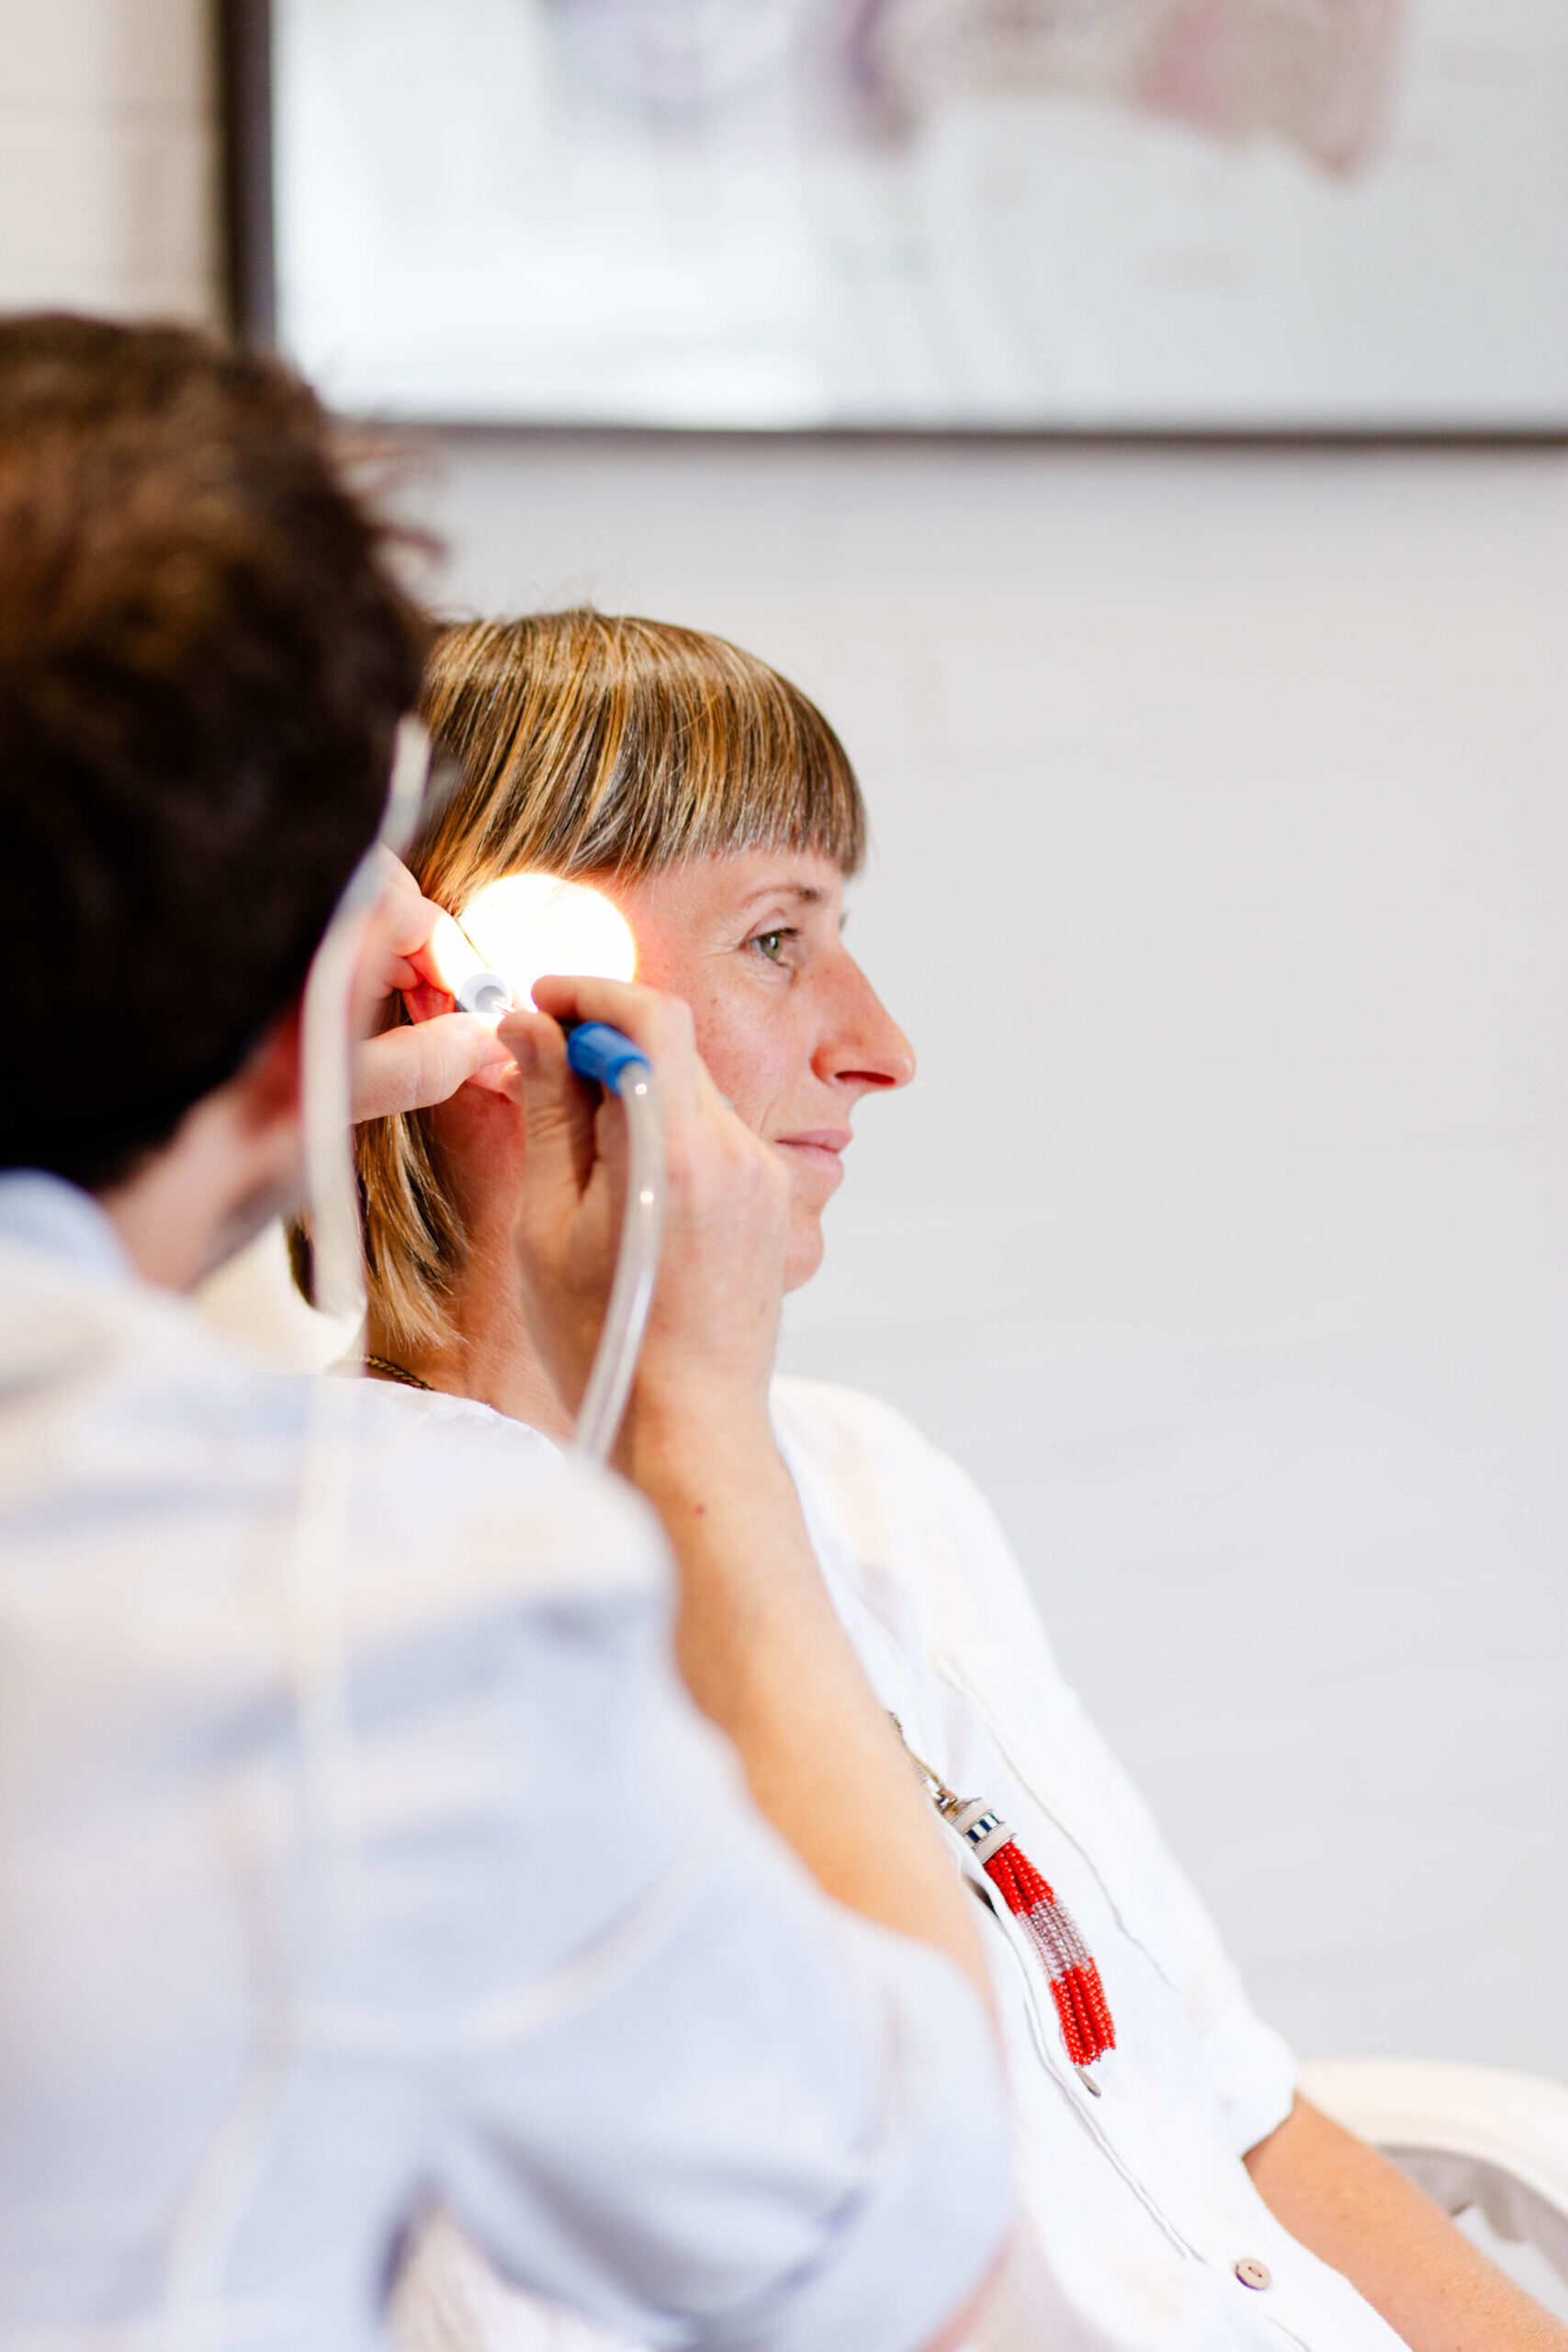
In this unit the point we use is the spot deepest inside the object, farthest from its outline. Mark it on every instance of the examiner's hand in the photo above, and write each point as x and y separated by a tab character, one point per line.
756	1635
402	1068
714	1325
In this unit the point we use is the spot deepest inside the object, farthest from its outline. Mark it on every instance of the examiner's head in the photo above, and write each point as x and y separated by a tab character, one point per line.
203	659
713	803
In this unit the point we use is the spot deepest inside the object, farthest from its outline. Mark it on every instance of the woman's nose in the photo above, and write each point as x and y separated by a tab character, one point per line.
863	1044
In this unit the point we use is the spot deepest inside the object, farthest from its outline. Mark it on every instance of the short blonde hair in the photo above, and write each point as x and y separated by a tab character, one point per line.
588	744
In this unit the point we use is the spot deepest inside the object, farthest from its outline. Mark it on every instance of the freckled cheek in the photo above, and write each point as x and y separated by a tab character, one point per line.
738	1063
735	1037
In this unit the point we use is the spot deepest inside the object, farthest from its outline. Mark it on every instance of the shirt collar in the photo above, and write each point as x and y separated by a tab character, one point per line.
47	1213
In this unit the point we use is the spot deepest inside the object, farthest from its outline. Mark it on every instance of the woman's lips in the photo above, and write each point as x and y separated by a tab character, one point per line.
819	1148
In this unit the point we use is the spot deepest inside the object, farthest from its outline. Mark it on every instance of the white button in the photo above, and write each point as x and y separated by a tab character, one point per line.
1253	2273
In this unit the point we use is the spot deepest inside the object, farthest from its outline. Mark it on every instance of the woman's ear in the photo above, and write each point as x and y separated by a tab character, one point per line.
427	1004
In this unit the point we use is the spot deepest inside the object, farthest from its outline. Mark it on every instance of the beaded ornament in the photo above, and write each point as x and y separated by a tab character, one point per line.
1081	2005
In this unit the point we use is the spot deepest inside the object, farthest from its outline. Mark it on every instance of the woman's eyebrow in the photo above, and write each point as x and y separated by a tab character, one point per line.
805	894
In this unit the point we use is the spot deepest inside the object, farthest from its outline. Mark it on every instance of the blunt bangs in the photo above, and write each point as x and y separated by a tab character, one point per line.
592	743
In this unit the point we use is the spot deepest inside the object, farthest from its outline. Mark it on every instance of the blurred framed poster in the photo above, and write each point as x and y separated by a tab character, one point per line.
1300	216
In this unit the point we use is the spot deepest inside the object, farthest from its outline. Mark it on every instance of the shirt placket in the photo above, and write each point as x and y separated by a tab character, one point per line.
1078	2086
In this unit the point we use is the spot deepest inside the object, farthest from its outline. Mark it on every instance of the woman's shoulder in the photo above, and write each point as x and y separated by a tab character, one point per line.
906	1508
510	1519
833	1421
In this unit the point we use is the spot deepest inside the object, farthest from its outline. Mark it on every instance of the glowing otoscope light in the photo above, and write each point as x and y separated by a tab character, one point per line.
466	976
516	930
508	936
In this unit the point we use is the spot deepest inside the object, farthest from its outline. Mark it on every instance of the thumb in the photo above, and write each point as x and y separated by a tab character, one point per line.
405	1067
557	1116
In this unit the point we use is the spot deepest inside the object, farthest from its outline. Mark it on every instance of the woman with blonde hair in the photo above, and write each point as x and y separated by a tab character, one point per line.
655	761
1174	2191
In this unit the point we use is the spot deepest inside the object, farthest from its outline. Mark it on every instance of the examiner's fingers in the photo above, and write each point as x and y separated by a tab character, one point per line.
660	1024
398	885
558	1112
715	1314
406	1067
396	951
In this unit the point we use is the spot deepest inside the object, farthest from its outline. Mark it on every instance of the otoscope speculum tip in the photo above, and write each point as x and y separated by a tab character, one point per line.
485	993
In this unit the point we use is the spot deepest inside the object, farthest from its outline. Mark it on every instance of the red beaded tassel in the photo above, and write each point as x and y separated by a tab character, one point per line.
1075	1988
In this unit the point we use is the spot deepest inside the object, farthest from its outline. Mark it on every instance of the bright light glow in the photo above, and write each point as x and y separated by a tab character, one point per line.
454	956
528	925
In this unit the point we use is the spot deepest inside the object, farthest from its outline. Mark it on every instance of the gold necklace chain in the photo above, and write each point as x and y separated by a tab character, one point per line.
390	1371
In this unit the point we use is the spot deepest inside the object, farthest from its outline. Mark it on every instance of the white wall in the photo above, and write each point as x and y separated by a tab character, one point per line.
1221	879
1222	851
107	157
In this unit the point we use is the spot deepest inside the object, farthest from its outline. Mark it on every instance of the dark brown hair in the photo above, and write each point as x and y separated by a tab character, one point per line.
203	659
590	743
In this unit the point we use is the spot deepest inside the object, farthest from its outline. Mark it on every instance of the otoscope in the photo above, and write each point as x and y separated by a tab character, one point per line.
508	936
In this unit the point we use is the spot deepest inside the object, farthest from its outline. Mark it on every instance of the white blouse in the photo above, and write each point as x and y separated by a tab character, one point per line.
1139	2225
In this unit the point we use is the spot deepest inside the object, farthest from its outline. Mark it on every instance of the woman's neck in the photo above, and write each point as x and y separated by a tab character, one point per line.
490	1354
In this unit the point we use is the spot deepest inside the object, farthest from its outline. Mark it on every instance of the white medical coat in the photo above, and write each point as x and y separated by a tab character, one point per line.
415	1880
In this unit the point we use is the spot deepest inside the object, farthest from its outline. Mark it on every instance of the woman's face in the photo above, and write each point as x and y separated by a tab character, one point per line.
789	1026
788	1023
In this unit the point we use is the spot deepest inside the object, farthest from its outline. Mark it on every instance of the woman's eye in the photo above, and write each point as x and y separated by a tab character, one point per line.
770	944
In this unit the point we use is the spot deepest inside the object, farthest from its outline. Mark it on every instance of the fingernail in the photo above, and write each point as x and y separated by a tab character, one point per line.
524	1053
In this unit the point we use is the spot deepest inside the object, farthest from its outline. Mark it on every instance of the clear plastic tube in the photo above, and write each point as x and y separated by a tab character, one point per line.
637	1267
315	1566
194	2300
336	1247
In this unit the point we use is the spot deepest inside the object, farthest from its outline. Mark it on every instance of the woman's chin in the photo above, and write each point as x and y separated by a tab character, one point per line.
803	1251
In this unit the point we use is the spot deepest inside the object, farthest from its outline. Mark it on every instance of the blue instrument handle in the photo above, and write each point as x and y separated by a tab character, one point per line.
597	1051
